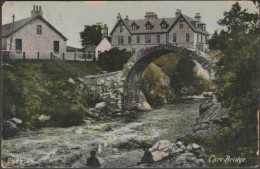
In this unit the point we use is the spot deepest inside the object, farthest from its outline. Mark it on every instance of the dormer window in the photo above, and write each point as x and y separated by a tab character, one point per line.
163	26
204	27
134	26
196	24
148	27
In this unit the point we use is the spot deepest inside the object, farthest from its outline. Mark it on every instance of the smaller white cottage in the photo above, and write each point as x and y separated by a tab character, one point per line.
33	37
103	46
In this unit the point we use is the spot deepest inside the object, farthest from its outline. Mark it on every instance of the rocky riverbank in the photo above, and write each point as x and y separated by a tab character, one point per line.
169	155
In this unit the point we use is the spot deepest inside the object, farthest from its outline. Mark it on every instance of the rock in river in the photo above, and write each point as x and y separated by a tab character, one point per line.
9	129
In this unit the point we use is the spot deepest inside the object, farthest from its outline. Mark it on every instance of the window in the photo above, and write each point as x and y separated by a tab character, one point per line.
163	26
129	39
148	27
18	45
167	38
120	40
174	37
138	39
201	38
133	28
206	39
133	50
39	29
198	38
196	24
181	25
121	28
187	37
89	55
99	52
158	38
147	38
56	46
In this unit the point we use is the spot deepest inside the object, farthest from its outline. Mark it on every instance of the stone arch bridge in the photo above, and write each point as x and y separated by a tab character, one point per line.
120	89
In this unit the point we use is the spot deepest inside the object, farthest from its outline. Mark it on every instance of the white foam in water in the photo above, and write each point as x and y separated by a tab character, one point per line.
201	71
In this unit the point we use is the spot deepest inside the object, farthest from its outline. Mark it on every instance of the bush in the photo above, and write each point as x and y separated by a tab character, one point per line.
114	59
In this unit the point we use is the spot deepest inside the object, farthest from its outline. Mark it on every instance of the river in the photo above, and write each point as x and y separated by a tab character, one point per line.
69	147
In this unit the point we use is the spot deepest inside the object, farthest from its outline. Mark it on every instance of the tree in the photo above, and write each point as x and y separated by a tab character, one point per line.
237	74
91	35
236	23
114	59
183	75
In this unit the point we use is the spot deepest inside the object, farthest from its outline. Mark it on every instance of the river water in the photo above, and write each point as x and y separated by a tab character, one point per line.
69	147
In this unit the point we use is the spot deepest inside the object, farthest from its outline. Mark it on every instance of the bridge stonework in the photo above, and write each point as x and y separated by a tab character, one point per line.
121	89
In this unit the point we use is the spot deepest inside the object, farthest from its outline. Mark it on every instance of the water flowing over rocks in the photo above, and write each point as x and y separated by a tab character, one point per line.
168	154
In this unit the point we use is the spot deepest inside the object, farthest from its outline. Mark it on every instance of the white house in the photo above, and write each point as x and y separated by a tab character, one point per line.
33	37
103	46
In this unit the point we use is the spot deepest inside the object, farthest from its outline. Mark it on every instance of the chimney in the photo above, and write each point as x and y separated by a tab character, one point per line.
37	10
118	17
105	31
126	17
197	17
150	15
178	13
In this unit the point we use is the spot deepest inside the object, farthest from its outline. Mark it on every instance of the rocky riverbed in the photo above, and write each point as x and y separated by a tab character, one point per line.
119	142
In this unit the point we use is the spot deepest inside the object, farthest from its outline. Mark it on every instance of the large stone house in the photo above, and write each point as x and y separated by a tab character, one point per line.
33	37
180	30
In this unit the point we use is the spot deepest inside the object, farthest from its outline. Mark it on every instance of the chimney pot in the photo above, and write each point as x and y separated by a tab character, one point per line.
178	12
118	17
40	8
126	17
197	16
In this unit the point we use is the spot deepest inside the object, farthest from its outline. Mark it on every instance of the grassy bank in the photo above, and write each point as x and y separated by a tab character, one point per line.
32	88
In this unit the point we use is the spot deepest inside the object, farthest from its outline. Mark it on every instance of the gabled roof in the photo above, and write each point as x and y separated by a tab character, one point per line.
105	38
7	28
196	29
156	22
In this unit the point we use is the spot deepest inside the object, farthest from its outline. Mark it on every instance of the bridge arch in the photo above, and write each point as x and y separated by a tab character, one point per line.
137	64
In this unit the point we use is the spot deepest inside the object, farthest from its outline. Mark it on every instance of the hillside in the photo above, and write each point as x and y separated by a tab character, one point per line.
33	89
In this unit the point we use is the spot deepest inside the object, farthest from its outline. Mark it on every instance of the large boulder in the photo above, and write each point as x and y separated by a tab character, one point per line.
100	105
70	80
144	106
44	117
16	120
205	106
212	117
10	129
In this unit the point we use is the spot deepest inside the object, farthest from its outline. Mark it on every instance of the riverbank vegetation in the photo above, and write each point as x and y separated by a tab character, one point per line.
170	77
237	87
32	88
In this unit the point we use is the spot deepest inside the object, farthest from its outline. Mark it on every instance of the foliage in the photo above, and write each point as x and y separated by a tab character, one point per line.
237	83
184	79
114	59
236	23
36	87
150	83
91	35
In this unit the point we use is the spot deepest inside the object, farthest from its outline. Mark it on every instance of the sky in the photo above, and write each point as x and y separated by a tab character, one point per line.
70	17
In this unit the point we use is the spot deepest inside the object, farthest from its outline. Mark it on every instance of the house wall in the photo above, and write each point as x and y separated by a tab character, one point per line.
4	43
125	34
181	38
32	43
103	46
181	34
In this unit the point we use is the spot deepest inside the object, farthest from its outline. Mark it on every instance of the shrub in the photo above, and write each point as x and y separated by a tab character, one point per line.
114	59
